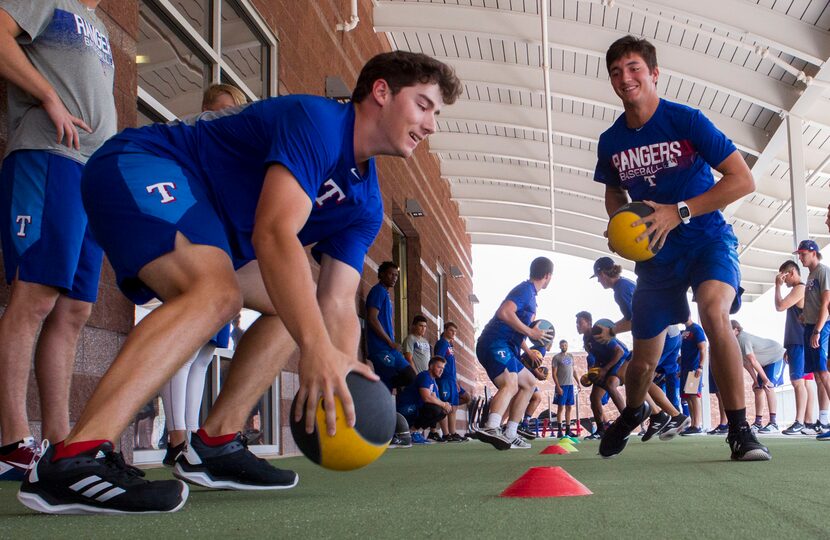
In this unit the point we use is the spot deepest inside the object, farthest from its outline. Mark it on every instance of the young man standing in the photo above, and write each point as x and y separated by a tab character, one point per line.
415	346
448	389
694	351
59	67
384	352
815	316
498	349
210	216
789	274
563	373
661	153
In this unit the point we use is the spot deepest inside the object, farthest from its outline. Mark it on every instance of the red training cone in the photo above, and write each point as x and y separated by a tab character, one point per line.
546	482
554	449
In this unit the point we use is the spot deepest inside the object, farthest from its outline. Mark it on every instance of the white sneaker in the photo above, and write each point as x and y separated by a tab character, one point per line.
495	437
518	442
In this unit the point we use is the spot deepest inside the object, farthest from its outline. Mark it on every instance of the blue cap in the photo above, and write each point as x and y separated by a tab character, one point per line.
806	245
601	264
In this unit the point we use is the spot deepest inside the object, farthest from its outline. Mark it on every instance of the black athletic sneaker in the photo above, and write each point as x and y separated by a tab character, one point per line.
745	447
529	435
676	425
433	436
229	466
656	424
96	482
595	436
171	454
720	429
616	437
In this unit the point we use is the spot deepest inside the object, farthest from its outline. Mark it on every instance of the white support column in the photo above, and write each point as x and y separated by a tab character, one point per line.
798	187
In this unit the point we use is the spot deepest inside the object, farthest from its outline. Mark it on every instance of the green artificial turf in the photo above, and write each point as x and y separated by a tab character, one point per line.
686	488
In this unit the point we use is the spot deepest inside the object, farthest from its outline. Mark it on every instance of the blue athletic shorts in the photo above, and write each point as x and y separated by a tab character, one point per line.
125	191
497	356
660	297
43	228
567	397
388	364
795	359
448	391
816	359
775	373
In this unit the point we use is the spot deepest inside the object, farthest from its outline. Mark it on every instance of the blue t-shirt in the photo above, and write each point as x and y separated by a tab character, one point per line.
410	399
623	295
689	351
444	349
524	296
229	151
602	354
667	160
378	298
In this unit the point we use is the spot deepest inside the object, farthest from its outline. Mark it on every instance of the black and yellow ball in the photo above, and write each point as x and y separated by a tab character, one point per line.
622	237
350	448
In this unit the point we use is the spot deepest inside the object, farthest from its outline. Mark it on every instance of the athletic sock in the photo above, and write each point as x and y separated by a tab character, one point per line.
493	421
71	450
215	441
823	417
736	419
759	419
772	417
510	430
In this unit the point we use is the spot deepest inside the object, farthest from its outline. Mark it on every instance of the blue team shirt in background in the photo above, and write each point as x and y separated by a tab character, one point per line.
667	160
312	137
689	351
524	296
378	298
410	399
444	349
623	294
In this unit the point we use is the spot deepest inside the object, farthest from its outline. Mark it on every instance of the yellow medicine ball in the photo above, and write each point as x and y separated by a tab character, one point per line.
350	448
622	237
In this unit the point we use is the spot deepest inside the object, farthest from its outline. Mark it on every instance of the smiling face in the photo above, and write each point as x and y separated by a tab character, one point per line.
632	81
408	117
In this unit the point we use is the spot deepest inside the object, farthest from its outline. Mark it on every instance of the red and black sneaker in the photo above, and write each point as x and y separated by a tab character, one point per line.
96	481
16	458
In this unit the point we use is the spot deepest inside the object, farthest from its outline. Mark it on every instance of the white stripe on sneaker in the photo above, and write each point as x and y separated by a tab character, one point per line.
115	491
81	484
96	489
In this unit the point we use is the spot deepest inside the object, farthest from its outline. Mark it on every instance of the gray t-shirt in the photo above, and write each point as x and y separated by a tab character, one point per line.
766	351
419	348
817	282
68	44
563	363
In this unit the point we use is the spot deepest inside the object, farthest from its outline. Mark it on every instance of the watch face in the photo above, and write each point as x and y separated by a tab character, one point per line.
684	212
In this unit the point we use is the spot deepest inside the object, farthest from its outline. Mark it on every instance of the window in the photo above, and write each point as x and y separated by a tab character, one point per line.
186	45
